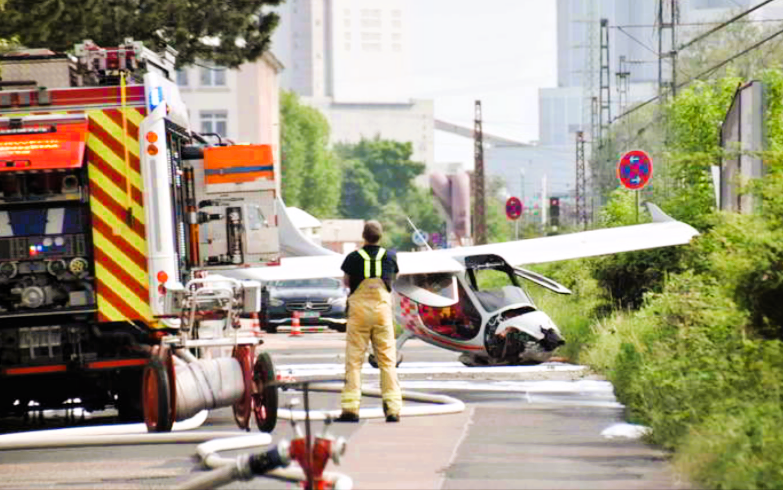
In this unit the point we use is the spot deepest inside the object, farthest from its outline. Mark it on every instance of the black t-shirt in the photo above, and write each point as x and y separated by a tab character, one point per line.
353	265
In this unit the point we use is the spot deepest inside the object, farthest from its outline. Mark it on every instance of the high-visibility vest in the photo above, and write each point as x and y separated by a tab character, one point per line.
368	262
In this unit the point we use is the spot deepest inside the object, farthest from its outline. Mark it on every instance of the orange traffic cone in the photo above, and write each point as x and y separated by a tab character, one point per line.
256	325
295	331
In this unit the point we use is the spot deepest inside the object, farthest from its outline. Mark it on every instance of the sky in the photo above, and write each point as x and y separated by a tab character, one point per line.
498	51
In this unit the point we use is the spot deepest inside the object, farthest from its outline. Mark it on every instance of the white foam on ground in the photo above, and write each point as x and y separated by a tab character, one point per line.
591	387
627	431
425	368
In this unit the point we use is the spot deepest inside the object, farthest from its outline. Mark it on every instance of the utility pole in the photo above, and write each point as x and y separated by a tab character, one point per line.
480	229
623	84
581	181
604	90
667	19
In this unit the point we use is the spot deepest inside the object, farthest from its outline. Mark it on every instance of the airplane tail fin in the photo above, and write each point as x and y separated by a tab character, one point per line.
658	216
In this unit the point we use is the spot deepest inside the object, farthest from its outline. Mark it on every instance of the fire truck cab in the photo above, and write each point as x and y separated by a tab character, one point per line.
113	213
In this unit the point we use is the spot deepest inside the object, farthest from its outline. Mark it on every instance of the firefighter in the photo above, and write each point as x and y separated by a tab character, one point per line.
369	273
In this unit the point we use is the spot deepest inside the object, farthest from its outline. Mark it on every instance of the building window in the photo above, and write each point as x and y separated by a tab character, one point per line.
397	24
371	22
347	22
396	36
347	36
214	122
347	46
182	77
396	14
371	46
397	47
371	36
213	76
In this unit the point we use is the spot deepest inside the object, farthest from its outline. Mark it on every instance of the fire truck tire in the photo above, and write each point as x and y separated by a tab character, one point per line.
156	397
244	406
270	328
264	393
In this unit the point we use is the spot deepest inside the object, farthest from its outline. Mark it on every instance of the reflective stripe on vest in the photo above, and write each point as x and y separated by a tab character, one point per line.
368	261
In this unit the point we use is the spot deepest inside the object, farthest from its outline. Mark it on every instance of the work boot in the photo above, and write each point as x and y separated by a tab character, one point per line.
390	417
347	417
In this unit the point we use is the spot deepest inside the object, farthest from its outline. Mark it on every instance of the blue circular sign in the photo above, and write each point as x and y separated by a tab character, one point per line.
420	237
513	208
635	169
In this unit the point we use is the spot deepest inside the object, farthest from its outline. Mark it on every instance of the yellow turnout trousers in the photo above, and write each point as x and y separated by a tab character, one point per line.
370	319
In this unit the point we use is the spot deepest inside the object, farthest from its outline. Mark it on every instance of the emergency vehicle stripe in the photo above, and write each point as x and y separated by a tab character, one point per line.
118	211
130	274
112	153
115	131
132	120
111	307
129	251
125	293
120	246
115	179
113	189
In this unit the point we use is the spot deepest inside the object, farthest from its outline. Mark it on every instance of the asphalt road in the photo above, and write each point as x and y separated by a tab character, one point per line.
525	427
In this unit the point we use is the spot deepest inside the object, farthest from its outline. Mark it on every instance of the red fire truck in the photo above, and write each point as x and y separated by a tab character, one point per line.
112	213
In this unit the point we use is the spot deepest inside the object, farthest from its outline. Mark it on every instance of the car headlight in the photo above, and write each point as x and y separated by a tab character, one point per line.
276	302
340	300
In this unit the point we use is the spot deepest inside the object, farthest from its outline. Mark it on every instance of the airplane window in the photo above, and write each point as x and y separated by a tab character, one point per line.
496	289
460	321
440	284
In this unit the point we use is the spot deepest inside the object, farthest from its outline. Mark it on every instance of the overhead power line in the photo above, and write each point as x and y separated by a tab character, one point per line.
724	24
706	72
691	24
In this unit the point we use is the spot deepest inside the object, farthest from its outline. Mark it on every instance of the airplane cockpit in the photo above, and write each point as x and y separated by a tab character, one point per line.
459	320
495	289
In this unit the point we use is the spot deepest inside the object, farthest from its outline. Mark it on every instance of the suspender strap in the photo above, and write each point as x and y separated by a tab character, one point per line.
368	262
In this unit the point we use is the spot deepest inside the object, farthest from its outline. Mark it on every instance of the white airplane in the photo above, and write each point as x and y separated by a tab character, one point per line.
471	300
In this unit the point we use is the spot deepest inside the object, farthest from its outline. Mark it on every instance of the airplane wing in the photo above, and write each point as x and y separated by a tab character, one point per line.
664	231
329	266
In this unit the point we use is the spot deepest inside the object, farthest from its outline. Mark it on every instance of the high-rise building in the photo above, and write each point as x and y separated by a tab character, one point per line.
350	59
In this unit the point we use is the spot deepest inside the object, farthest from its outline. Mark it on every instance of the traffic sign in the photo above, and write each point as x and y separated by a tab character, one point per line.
420	238
635	169
513	208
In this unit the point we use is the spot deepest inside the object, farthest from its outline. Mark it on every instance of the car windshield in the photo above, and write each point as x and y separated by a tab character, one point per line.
496	288
322	283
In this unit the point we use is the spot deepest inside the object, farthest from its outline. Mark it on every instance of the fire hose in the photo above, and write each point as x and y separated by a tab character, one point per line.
270	463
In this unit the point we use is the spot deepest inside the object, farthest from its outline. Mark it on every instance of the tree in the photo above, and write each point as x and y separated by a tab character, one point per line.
378	182
311	172
241	28
359	196
388	161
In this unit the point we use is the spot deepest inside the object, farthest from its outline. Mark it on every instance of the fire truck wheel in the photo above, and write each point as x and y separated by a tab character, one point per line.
242	408
156	397
264	393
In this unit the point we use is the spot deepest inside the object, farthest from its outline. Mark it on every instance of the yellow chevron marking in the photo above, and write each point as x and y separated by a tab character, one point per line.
134	116
119	258
96	145
105	307
110	187
141	307
115	130
119	226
